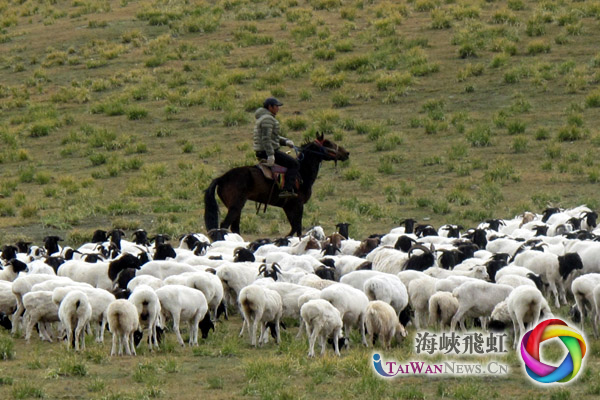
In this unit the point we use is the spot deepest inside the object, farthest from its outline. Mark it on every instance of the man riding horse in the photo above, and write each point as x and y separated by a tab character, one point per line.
267	142
238	185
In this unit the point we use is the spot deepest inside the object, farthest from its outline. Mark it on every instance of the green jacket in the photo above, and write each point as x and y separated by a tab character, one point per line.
266	132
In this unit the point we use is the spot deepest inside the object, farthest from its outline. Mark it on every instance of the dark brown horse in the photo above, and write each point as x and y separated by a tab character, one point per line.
240	184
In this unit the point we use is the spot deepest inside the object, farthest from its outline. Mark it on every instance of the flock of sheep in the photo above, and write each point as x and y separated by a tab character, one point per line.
502	273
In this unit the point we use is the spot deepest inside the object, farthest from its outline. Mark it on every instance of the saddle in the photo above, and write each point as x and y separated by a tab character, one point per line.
271	172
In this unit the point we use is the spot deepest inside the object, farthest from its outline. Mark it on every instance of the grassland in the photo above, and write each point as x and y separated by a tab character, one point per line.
225	367
119	113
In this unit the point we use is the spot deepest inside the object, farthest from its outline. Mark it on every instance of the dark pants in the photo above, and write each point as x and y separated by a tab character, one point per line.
287	161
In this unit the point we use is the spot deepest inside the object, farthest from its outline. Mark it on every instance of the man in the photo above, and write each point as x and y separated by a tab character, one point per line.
267	142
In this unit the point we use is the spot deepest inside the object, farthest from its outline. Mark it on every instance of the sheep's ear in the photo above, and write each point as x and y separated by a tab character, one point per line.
320	136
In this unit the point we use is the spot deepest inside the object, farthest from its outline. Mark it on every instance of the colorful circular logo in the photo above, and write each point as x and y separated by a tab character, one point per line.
530	351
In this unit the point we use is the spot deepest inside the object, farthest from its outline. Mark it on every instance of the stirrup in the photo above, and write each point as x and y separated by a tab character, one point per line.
287	194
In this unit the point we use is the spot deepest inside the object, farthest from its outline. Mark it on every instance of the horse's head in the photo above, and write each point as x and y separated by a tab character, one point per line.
328	149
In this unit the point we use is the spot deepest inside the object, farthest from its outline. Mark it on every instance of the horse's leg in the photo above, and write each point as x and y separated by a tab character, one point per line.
293	212
234	214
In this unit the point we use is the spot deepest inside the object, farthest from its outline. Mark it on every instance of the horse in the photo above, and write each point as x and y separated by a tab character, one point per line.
240	184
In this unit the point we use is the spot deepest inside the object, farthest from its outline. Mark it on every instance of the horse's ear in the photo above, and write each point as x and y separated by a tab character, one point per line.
320	136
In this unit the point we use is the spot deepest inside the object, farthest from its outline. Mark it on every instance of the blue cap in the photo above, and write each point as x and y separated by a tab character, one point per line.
272	101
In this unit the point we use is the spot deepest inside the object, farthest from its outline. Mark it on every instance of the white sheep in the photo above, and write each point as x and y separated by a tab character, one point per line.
515	281
8	302
313	281
207	283
164	268
596	296
40	309
75	313
477	299
95	274
323	320
442	307
12	269
381	319
260	305
147	304
419	292
99	299
525	304
183	304
351	303
39	267
123	321
290	293
148	280
21	286
302	300
583	291
236	276
389	290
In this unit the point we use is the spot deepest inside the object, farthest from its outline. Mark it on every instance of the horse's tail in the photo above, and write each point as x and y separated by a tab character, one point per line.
211	208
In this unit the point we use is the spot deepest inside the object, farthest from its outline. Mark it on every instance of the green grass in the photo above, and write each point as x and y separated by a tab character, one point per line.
104	91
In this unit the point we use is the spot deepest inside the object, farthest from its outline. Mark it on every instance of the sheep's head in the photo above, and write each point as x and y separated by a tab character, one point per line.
242	254
269	273
206	325
18	266
9	252
200	248
5	321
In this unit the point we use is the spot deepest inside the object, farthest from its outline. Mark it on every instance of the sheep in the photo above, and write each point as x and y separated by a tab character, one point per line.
357	279
442	307
583	291
554	270
234	277
123	321
39	309
5	321
315	282
515	281
381	319
99	299
322	321
274	271
477	299
51	244
96	274
208	283
50	285
476	271
390	291
12	269
524	304
419	292
260	305
303	299
184	303
39	267
388	260
149	280
352	304
162	268
596	305
8	302
21	286
75	313
147	304
290	293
